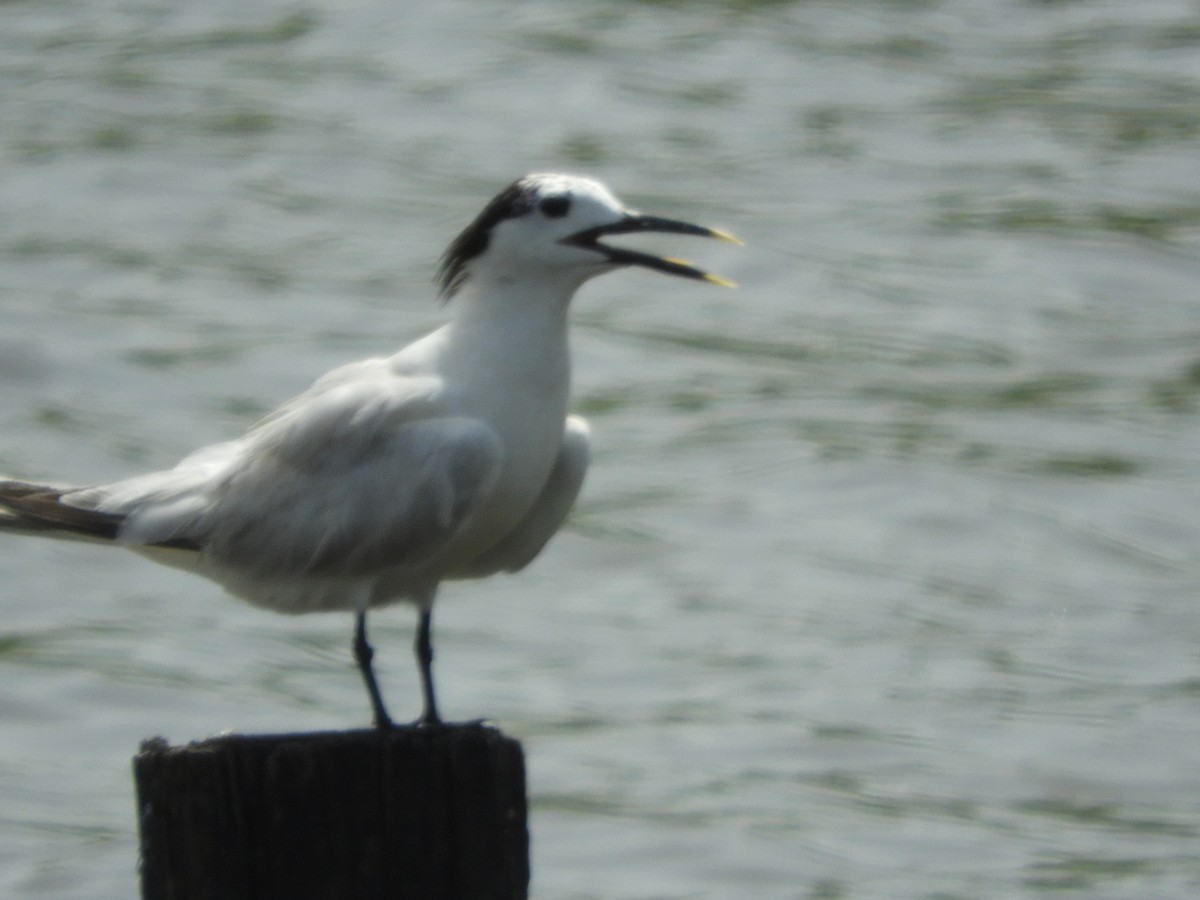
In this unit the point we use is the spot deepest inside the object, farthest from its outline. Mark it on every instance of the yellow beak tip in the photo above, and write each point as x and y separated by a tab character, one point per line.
726	236
719	281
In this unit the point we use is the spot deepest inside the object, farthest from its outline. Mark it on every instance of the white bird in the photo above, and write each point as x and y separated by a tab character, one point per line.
453	458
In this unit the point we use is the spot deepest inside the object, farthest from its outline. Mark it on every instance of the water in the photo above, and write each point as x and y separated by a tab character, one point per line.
884	582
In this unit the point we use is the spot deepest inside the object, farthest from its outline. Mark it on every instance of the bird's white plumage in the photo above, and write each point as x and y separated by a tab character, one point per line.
383	479
453	458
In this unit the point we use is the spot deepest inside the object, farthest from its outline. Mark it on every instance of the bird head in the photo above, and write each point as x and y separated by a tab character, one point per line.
552	226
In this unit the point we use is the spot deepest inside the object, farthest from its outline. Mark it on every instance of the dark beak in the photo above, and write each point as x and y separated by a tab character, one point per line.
634	223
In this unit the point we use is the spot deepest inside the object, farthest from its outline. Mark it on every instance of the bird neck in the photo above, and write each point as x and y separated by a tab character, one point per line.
506	313
516	334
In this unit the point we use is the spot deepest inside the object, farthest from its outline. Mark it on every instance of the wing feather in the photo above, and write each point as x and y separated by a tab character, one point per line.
38	509
355	509
358	474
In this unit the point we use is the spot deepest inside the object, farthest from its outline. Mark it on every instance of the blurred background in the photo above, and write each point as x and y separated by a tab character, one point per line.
884	582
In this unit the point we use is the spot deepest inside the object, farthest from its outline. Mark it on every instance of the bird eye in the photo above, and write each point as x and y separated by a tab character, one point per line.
555	207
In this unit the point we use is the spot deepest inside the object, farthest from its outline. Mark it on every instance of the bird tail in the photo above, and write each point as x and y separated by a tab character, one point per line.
39	509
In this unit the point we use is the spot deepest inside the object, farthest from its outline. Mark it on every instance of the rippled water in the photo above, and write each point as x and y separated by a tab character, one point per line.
884	583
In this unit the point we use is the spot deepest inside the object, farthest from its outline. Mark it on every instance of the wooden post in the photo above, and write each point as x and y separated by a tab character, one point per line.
431	813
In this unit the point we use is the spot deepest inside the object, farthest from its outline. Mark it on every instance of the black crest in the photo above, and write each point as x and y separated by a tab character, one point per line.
515	200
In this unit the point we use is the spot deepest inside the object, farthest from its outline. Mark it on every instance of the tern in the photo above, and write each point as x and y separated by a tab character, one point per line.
454	458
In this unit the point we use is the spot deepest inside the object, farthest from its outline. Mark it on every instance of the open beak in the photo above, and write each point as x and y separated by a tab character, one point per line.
634	223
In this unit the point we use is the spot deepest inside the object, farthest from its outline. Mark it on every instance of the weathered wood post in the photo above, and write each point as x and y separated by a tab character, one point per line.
431	813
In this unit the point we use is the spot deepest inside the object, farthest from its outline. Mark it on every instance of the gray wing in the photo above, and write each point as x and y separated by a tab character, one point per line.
519	548
340	483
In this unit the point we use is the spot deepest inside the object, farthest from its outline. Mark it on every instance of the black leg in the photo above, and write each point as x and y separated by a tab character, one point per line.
424	650
363	654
